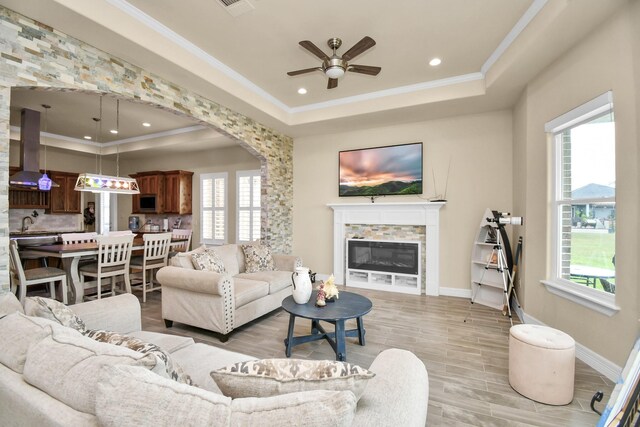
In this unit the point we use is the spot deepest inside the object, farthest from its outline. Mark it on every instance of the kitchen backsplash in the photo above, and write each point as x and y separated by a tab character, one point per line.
42	222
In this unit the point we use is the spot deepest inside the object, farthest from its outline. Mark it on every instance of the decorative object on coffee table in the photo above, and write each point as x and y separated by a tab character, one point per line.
321	296
330	289
349	306
301	285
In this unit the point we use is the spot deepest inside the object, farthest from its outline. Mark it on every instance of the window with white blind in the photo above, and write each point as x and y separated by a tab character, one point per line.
248	185
583	205
213	211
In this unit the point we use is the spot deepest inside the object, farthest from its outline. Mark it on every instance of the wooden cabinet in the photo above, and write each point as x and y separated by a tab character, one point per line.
64	199
177	192
149	183
172	190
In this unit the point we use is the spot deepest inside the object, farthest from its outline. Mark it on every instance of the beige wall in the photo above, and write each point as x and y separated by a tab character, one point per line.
479	147
228	159
607	60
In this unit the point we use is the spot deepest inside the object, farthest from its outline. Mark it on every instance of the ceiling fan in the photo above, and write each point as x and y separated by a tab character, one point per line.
335	66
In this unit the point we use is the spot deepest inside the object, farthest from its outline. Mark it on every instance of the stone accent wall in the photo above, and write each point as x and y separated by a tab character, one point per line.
37	56
391	232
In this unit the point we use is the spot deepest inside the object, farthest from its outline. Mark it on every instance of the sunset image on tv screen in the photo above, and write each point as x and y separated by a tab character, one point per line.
381	171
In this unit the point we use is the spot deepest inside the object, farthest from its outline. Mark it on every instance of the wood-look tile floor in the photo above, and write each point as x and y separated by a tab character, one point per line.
467	361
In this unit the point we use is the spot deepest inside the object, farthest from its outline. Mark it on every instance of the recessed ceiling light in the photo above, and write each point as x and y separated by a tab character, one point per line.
113	131
435	62
302	91
87	137
145	124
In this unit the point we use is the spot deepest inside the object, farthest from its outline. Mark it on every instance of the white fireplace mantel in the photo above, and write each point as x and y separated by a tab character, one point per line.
415	213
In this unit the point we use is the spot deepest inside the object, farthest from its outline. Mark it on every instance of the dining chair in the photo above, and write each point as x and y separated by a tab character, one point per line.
114	255
179	233
69	238
155	254
24	278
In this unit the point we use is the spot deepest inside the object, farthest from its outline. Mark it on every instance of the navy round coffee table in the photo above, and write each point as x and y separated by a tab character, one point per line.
347	306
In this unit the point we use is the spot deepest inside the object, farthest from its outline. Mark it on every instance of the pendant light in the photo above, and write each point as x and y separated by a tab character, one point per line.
98	183
45	183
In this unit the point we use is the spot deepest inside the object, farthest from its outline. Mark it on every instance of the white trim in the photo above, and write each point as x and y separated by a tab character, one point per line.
588	356
188	46
449	81
522	23
83	141
581	113
600	301
455	292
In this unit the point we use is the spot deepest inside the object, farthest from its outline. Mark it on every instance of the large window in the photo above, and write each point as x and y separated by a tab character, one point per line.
583	208
213	212
248	191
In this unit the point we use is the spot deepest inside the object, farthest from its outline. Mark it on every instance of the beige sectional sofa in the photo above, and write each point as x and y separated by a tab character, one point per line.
396	396
222	302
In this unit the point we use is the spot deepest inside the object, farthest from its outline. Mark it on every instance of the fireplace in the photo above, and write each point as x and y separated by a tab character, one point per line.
382	255
381	214
386	265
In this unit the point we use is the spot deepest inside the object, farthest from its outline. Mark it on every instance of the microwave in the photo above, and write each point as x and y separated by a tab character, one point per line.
148	202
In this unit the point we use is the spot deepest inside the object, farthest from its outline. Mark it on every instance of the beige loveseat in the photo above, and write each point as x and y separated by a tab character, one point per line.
222	302
396	396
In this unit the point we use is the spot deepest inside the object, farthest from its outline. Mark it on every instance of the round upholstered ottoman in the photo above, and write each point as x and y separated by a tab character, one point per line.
542	363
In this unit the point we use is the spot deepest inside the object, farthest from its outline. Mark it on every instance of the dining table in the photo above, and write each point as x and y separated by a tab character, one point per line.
70	254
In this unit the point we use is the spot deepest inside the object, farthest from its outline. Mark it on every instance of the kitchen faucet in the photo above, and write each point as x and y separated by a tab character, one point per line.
25	227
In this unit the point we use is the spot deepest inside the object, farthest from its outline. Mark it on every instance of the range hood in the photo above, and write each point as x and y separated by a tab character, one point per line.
29	152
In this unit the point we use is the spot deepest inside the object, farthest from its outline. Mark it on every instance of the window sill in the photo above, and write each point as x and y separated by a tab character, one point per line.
595	300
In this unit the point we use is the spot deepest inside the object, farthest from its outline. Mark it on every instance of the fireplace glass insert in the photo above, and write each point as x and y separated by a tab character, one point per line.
382	255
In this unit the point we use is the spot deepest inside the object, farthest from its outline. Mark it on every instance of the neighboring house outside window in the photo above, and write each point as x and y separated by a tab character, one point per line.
248	185
583	204
213	207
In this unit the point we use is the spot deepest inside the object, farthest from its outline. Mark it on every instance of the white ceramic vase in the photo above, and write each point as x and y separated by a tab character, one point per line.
301	285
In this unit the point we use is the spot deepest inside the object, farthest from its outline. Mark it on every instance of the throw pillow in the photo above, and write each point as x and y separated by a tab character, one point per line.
269	377
54	310
209	260
17	333
66	366
258	258
183	259
9	304
319	408
174	371
133	396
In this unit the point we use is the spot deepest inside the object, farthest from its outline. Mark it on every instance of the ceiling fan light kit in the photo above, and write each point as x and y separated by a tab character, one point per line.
334	66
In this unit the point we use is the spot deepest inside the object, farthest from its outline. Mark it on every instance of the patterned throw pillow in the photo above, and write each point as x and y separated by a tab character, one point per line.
270	377
208	260
258	258
174	371
54	310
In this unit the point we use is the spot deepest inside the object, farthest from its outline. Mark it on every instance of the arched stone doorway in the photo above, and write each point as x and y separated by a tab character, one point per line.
45	59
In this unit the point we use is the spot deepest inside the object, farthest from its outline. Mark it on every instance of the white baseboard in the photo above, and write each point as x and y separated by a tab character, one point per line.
588	356
455	292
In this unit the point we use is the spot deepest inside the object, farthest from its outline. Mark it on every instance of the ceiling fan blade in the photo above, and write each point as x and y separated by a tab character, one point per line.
314	49
364	44
306	70
364	69
332	83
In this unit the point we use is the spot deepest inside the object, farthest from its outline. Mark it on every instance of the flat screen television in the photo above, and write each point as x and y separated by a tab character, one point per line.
381	171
